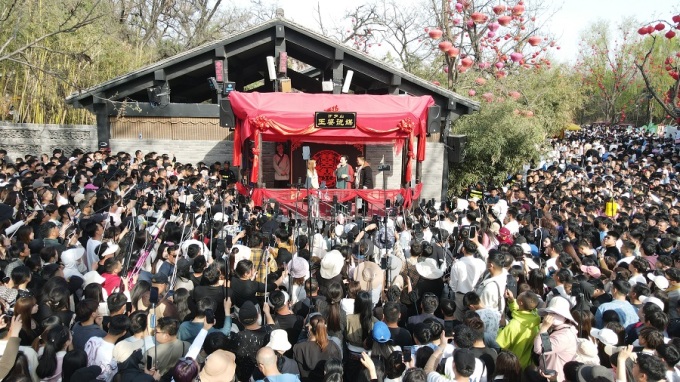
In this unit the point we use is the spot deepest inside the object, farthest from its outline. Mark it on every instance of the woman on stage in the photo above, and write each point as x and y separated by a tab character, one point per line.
312	183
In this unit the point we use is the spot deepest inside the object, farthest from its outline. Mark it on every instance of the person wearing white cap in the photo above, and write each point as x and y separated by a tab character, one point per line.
299	273
278	341
559	327
71	258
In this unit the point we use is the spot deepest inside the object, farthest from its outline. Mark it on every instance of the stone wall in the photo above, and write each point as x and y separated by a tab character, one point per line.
432	171
20	139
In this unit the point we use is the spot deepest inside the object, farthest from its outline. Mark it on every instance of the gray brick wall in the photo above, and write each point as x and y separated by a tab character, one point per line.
20	139
185	151
432	170
375	154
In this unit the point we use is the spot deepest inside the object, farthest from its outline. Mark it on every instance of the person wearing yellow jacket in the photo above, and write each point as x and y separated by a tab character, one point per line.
518	335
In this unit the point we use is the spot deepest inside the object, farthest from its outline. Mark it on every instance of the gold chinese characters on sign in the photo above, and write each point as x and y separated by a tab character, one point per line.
335	120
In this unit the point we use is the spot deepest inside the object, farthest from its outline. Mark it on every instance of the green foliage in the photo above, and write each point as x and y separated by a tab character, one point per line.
606	65
501	138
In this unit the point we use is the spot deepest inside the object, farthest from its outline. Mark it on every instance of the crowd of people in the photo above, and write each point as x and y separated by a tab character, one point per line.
119	267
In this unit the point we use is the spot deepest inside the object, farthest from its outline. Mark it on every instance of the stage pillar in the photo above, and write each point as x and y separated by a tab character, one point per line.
259	172
419	167
404	163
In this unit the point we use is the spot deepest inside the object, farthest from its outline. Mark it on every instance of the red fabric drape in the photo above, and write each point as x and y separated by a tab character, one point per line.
289	197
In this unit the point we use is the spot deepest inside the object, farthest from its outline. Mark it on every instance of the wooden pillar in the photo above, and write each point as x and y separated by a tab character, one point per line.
101	110
338	71
404	164
419	164
259	168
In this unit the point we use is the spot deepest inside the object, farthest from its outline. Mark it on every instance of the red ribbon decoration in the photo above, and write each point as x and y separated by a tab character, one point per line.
407	126
261	124
333	109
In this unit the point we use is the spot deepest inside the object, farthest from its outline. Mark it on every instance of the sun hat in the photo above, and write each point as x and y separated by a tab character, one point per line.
591	271
428	269
654	300
331	264
559	306
589	373
244	253
92	277
278	340
299	267
369	275
72	255
219	366
661	282
606	336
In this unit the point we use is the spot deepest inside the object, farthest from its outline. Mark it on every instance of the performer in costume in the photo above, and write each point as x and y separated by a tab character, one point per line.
281	167
344	174
312	183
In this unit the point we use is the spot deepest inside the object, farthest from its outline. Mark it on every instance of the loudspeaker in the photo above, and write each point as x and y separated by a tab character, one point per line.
434	123
226	114
455	145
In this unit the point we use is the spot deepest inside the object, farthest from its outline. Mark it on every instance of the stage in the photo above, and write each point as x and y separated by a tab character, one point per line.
295	200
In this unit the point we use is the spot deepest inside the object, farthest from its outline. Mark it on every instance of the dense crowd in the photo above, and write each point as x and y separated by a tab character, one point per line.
140	268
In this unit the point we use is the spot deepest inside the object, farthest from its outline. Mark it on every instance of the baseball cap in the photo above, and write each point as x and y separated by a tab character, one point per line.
247	311
381	333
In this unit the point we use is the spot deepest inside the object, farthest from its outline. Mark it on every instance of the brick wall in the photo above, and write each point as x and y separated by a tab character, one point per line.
20	139
432	170
186	151
385	153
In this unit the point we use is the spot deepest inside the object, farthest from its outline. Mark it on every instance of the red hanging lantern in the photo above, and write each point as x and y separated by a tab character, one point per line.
670	34
478	17
515	95
453	52
472	92
435	33
534	40
518	10
676	19
505	20
445	45
480	81
488	97
516	57
466	62
498	9
493	27
660	26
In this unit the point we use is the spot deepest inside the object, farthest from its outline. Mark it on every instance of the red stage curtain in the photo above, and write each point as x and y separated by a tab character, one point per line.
288	197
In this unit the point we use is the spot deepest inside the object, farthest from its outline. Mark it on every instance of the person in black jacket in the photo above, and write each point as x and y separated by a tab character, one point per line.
365	177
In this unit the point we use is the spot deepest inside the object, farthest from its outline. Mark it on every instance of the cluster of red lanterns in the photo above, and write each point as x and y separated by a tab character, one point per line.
502	19
659	27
